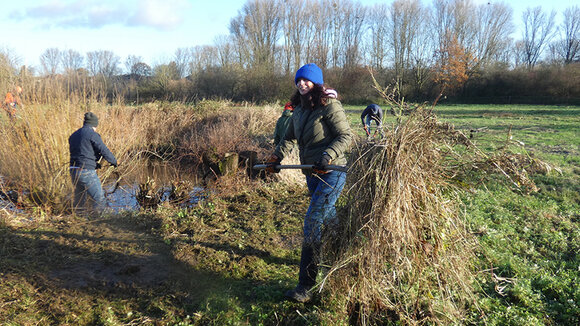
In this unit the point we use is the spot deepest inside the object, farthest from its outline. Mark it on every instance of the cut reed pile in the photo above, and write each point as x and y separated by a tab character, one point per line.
401	252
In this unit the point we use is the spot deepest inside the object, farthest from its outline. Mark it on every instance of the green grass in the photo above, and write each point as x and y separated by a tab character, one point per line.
234	256
551	133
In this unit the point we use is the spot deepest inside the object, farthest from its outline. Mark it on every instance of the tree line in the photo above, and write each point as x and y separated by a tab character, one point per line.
452	47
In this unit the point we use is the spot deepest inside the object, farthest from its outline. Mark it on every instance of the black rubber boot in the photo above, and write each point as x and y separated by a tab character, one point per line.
307	276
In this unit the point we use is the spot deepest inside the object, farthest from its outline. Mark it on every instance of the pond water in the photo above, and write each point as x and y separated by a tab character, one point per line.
125	197
156	183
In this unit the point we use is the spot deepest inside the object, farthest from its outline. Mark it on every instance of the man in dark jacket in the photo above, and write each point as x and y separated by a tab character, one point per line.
86	149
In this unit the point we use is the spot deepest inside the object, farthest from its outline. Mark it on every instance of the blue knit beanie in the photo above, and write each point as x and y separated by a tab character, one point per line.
310	72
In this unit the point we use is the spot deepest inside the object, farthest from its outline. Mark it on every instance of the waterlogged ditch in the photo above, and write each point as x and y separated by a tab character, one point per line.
148	187
126	196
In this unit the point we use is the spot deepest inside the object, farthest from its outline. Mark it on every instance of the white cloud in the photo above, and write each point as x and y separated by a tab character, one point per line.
164	14
158	14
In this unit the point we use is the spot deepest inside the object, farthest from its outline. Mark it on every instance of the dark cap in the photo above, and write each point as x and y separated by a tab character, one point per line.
91	119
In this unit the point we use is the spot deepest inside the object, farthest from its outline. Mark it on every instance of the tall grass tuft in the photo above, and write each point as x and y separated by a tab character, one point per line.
229	129
402	252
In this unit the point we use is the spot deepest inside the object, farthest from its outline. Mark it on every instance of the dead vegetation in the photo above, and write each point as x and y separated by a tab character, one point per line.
401	252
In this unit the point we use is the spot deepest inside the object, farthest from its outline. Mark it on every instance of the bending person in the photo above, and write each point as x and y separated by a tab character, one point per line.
371	113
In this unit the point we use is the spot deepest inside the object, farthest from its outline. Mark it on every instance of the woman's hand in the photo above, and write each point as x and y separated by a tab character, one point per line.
321	166
271	164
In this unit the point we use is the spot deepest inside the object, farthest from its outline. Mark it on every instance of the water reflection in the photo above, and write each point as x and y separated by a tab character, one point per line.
164	181
125	197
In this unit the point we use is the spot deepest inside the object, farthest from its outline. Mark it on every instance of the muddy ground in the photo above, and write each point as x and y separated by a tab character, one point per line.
150	267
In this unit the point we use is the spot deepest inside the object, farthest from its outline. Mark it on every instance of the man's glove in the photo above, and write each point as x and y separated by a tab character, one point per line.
271	163
321	166
367	130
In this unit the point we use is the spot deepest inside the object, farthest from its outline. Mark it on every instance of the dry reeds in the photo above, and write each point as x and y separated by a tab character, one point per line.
229	129
402	253
34	147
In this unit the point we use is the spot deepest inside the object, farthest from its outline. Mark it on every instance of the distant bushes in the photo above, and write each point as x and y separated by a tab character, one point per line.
545	84
554	84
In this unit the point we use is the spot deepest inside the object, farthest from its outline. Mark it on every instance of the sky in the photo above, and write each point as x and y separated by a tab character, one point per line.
150	29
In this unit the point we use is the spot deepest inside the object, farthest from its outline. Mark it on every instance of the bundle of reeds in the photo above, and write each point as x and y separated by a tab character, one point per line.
401	252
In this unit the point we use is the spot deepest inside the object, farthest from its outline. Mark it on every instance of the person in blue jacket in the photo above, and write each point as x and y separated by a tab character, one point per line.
371	113
86	150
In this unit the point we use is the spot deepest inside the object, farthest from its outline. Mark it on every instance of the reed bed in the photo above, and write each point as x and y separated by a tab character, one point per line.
229	129
401	252
34	146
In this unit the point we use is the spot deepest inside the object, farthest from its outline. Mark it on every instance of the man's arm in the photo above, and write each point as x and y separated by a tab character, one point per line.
101	148
364	113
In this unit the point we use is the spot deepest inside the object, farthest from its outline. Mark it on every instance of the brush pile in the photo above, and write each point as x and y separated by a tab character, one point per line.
401	252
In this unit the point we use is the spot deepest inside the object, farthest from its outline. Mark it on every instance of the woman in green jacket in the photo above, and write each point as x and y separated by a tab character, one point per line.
321	130
282	123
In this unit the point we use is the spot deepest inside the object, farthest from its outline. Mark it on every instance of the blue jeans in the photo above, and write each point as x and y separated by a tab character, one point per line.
88	192
379	125
324	191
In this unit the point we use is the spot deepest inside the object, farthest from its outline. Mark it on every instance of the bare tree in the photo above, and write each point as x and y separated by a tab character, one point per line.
347	19
538	30
182	59
71	60
354	17
519	54
443	19
102	62
257	29
298	32
459	19
324	24
225	50
50	60
494	27
405	20
569	48
9	63
378	36
203	57
163	75
423	46
141	69
131	61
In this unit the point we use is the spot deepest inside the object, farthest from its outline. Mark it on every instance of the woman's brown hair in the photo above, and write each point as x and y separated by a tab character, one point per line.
316	97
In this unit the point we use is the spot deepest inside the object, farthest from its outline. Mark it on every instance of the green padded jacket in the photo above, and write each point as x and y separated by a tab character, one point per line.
318	130
282	125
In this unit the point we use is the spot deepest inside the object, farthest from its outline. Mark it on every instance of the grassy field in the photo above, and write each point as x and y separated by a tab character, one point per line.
229	260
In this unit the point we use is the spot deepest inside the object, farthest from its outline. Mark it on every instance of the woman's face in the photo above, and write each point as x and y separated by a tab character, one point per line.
304	86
